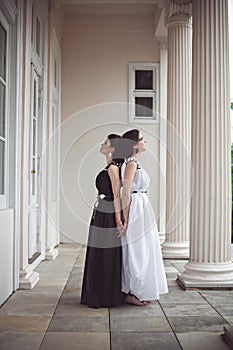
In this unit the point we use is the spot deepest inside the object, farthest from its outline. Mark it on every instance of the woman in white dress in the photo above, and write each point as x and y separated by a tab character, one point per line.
143	275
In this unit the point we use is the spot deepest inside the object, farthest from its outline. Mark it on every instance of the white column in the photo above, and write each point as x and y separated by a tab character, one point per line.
210	254
161	36
179	26
163	135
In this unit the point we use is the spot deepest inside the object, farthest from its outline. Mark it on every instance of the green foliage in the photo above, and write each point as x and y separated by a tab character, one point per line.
231	106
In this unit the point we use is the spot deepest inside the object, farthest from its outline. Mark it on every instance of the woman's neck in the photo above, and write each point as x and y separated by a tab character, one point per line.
134	156
108	159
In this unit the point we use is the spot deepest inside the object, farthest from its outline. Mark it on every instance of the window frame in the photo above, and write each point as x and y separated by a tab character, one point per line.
37	57
154	93
4	197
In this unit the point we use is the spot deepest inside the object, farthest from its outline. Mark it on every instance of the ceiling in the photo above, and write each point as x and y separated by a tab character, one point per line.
161	3
110	9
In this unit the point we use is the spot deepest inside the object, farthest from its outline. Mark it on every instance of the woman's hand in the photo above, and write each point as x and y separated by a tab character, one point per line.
120	229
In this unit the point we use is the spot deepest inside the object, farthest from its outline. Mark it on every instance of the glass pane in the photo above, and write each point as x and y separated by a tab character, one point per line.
143	106
38	36
54	156
2	109
32	29
144	79
34	98
33	176
2	52
55	73
2	167
34	138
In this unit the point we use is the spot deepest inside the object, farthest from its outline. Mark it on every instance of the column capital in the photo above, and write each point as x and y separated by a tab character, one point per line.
179	12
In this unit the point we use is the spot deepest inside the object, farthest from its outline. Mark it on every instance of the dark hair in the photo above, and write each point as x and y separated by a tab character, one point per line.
115	141
129	139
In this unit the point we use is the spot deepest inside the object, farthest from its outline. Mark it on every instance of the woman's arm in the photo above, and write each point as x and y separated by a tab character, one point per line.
130	171
113	172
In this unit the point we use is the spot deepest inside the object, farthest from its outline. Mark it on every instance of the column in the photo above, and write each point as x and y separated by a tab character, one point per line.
161	36
210	263
163	135
179	26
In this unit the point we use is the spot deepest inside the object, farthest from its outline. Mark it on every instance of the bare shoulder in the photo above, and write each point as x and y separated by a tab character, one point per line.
113	169
131	164
130	170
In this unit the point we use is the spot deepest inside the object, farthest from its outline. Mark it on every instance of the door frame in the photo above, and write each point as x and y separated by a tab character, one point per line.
28	277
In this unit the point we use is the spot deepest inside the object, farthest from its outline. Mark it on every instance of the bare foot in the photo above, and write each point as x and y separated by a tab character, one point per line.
131	299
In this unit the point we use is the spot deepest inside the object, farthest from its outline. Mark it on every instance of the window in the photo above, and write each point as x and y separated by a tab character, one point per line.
143	92
36	34
55	74
3	112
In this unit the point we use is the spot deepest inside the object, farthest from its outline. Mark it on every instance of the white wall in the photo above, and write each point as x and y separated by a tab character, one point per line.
96	51
6	254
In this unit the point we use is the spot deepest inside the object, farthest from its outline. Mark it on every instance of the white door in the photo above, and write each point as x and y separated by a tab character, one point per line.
34	198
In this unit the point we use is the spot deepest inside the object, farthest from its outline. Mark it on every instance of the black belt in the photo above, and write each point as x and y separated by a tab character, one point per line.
108	198
139	192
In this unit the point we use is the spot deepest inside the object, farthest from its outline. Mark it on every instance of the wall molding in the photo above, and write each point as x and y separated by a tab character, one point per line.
9	10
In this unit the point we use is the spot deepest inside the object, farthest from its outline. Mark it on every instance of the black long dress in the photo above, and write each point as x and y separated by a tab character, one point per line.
102	273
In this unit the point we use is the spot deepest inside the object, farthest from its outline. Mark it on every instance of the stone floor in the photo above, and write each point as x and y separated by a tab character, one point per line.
50	317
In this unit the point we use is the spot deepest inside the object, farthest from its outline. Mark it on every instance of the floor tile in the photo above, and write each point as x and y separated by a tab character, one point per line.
189	310
144	341
28	316
79	341
26	297
77	270
202	341
218	297
171	275
20	340
181	297
225	309
70	299
24	323
53	280
80	310
170	269
173	287
182	324
139	324
28	309
229	319
79	324
152	309
53	289
72	289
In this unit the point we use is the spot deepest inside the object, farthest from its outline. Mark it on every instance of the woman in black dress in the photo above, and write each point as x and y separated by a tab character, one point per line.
102	274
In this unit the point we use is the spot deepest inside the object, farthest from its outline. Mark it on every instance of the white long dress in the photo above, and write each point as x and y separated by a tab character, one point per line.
143	271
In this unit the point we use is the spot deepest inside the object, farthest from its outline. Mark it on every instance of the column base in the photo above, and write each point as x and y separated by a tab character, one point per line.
175	250
28	278
162	237
207	276
228	336
51	253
